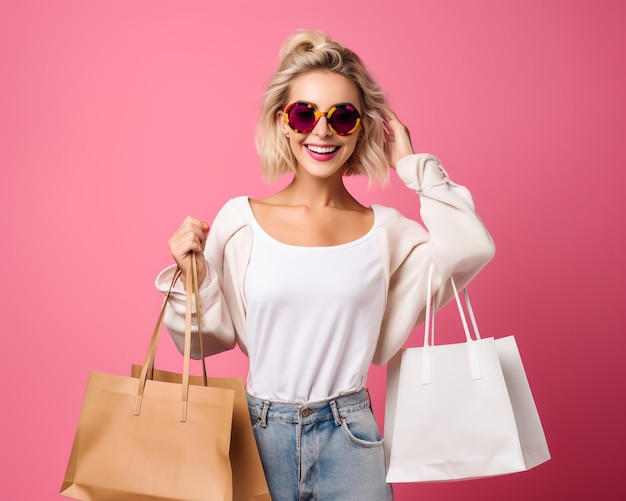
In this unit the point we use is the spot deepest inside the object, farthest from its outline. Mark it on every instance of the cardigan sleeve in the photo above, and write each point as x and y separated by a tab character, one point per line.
455	243
217	326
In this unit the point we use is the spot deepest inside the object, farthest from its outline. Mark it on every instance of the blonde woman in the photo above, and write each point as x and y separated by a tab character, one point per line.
315	287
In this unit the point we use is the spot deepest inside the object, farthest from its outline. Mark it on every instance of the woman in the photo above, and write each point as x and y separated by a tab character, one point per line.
312	285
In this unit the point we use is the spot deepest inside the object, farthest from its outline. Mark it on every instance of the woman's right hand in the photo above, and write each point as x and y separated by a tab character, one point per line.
190	237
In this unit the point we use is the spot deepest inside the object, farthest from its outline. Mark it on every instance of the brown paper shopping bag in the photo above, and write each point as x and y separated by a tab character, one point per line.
249	482
142	439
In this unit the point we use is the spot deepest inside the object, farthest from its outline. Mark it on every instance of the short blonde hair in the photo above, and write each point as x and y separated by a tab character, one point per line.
308	51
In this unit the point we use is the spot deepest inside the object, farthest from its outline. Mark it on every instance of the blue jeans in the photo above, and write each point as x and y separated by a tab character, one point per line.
327	451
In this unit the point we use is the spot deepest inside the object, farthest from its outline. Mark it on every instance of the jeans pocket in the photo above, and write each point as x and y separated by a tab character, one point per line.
361	429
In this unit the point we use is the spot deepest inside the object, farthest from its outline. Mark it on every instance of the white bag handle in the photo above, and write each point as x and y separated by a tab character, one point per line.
429	331
470	311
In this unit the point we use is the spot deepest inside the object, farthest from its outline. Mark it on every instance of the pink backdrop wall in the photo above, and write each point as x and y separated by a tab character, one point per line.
118	118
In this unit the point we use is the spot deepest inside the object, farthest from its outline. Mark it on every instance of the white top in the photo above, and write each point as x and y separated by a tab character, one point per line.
314	315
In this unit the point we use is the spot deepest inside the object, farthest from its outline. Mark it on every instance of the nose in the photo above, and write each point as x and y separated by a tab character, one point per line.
321	128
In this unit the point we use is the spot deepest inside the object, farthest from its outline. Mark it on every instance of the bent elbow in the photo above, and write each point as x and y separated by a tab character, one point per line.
485	251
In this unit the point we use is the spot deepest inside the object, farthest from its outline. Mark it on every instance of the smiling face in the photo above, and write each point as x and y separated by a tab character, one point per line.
321	152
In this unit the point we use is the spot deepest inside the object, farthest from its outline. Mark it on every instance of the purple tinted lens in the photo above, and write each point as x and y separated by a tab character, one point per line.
344	119
301	117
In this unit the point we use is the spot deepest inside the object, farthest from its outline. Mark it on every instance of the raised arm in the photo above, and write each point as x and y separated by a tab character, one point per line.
454	243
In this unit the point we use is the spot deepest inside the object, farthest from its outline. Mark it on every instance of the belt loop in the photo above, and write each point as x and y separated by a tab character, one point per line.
369	398
333	407
266	406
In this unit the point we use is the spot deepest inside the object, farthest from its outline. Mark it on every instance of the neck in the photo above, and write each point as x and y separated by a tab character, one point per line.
318	192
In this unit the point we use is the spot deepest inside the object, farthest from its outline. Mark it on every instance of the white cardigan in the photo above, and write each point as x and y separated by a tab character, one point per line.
456	243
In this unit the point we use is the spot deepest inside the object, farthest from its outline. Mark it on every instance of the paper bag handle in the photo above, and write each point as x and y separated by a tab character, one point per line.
470	311
191	291
429	331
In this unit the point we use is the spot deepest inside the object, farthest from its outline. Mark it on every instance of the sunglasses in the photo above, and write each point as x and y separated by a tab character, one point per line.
343	119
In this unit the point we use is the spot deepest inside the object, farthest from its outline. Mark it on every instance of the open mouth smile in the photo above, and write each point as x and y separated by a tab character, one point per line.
322	150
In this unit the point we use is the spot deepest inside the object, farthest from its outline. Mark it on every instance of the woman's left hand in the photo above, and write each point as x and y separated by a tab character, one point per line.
398	139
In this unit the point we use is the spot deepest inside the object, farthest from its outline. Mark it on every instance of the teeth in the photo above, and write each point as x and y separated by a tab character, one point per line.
322	149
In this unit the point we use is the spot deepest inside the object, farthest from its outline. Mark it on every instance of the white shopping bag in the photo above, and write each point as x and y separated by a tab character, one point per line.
460	411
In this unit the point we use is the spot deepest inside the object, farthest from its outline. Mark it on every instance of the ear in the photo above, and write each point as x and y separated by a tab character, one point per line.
281	122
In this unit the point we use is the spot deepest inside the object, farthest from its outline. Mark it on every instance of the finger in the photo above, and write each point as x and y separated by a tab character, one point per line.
389	115
393	123
192	243
192	226
182	245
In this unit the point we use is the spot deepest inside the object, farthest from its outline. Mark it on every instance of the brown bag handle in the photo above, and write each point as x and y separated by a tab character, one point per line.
191	290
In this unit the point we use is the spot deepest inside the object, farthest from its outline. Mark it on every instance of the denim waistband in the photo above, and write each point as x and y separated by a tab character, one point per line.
311	412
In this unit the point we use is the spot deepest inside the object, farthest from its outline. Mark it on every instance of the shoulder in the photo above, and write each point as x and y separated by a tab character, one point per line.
230	219
395	225
232	213
396	236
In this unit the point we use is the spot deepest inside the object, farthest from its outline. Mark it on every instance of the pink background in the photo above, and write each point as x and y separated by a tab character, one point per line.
118	118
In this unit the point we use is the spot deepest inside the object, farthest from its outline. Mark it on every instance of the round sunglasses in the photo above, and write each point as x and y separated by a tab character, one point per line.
343	119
